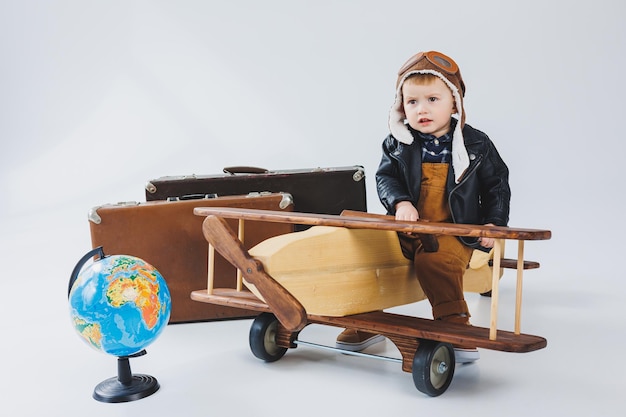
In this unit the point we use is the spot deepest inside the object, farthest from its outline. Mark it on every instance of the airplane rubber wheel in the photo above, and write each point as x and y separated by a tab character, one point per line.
263	338
433	367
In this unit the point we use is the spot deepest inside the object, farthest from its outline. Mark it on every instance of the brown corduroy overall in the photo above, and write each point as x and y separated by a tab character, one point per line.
440	273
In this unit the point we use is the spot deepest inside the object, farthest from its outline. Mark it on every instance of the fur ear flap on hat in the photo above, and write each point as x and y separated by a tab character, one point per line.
422	64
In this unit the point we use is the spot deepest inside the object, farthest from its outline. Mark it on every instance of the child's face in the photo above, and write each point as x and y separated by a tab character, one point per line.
428	106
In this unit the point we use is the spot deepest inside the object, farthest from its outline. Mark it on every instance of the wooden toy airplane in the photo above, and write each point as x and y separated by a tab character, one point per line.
344	271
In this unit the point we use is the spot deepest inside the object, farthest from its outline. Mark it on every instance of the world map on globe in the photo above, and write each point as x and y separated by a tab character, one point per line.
119	304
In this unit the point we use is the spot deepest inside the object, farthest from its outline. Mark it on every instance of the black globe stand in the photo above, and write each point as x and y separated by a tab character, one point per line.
126	386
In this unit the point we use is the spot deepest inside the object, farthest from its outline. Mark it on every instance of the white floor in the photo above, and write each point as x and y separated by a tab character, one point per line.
208	369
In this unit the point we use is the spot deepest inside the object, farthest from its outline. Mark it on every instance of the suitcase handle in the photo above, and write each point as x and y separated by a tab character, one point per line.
244	170
192	197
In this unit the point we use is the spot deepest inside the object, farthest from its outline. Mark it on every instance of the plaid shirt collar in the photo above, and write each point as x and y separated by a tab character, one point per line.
436	149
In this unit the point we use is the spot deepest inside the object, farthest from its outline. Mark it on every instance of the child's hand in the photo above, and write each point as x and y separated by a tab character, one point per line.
487	242
406	211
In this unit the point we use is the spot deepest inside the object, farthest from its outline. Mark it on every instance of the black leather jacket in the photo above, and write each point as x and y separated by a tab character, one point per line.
482	195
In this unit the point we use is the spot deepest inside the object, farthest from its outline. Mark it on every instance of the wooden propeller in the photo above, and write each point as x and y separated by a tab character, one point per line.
287	309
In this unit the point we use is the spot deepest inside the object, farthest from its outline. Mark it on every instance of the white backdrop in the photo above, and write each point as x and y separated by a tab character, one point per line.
99	97
96	98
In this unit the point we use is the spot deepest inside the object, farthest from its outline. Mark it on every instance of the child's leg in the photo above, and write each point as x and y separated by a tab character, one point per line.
441	277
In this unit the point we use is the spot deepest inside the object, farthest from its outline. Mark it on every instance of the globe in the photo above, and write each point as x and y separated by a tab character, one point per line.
119	304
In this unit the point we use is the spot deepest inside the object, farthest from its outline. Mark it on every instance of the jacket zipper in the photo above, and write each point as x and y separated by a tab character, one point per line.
465	177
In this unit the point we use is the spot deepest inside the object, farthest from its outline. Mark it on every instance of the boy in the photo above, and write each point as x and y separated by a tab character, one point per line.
435	167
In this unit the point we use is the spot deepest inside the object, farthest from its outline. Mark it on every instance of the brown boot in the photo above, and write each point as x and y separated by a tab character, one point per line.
357	340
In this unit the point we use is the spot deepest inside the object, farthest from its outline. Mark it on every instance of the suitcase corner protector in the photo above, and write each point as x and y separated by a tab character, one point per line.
93	215
150	187
286	201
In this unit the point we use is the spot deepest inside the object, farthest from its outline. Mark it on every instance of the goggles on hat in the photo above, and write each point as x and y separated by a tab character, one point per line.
438	59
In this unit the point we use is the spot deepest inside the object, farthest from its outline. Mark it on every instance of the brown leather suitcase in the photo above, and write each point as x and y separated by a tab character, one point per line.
169	236
316	190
